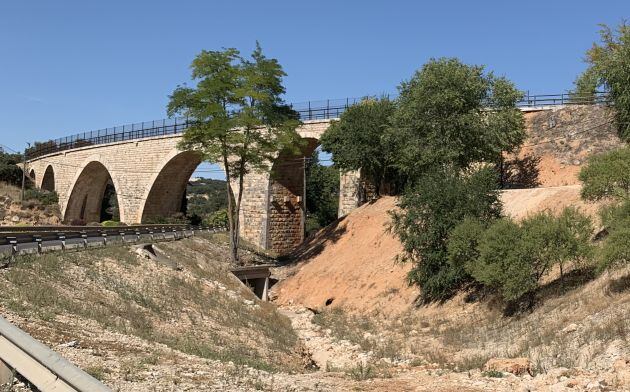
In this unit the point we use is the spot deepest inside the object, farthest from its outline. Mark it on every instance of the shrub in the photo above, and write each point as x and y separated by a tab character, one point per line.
512	257
430	210
45	197
110	223
616	248
607	175
217	219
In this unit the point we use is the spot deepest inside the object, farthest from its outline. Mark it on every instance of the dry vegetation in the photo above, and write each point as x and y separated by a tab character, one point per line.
131	314
582	326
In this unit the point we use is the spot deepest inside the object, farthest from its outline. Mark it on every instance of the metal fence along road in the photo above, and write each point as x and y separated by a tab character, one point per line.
307	111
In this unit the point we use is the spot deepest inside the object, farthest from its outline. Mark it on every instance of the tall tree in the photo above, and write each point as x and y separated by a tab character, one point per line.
452	122
609	70
358	141
451	113
240	119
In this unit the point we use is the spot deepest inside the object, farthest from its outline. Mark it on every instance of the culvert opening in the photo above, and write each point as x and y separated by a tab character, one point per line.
329	301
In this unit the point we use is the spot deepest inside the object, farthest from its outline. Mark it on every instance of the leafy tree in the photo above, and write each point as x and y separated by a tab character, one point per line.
358	141
429	211
322	194
9	171
241	120
454	114
609	70
607	175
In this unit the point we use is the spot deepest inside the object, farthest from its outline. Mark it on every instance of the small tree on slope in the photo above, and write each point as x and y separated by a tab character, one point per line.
241	120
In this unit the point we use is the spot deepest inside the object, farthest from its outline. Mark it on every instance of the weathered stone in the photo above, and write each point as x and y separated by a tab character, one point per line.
517	366
150	176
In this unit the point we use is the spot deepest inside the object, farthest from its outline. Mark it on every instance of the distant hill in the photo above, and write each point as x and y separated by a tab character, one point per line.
205	196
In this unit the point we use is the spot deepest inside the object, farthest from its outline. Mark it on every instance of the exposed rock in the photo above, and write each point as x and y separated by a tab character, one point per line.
622	372
517	366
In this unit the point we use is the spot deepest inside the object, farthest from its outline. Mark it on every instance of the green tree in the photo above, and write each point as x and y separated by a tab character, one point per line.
322	193
609	70
10	172
607	175
358	140
429	211
453	114
240	118
616	247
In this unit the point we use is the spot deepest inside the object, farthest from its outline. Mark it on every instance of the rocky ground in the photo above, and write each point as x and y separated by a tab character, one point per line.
28	213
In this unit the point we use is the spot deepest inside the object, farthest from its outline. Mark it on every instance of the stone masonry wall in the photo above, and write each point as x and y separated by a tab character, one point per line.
137	167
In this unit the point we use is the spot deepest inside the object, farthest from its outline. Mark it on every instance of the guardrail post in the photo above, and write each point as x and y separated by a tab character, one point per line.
122	236
84	238
137	235
104	235
38	240
152	235
62	238
174	233
13	242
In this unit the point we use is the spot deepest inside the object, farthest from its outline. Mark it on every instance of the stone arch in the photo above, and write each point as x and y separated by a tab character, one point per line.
87	191
286	208
167	188
48	180
32	177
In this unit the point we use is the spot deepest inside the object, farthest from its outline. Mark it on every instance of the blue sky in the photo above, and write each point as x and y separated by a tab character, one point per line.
70	66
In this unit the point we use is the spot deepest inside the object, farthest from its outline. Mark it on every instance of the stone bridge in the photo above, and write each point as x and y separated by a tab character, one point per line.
150	176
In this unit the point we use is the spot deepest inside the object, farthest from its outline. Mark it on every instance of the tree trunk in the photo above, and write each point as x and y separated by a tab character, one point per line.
231	223
241	176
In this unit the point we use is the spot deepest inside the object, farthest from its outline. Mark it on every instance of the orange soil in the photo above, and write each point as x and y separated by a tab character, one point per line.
353	263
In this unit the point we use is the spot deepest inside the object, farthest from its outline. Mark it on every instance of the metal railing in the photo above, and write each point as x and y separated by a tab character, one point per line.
311	110
42	367
39	239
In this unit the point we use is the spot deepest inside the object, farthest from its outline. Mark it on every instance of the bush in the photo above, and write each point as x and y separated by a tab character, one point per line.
47	198
110	223
217	219
9	171
430	210
513	257
607	175
616	247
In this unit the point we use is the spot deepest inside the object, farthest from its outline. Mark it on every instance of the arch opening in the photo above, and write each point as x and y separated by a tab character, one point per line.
87	198
167	198
31	176
286	213
48	181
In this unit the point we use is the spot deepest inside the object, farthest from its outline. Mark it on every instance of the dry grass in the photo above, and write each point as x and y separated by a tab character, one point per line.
199	310
10	191
583	325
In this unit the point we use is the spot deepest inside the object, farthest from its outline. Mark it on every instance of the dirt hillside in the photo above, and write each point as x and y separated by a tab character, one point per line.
352	263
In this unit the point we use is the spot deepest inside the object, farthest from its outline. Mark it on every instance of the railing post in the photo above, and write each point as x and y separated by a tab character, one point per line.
13	242
38	240
62	238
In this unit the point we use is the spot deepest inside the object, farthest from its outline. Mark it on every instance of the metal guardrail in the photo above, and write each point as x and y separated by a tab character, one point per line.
16	240
42	367
307	111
